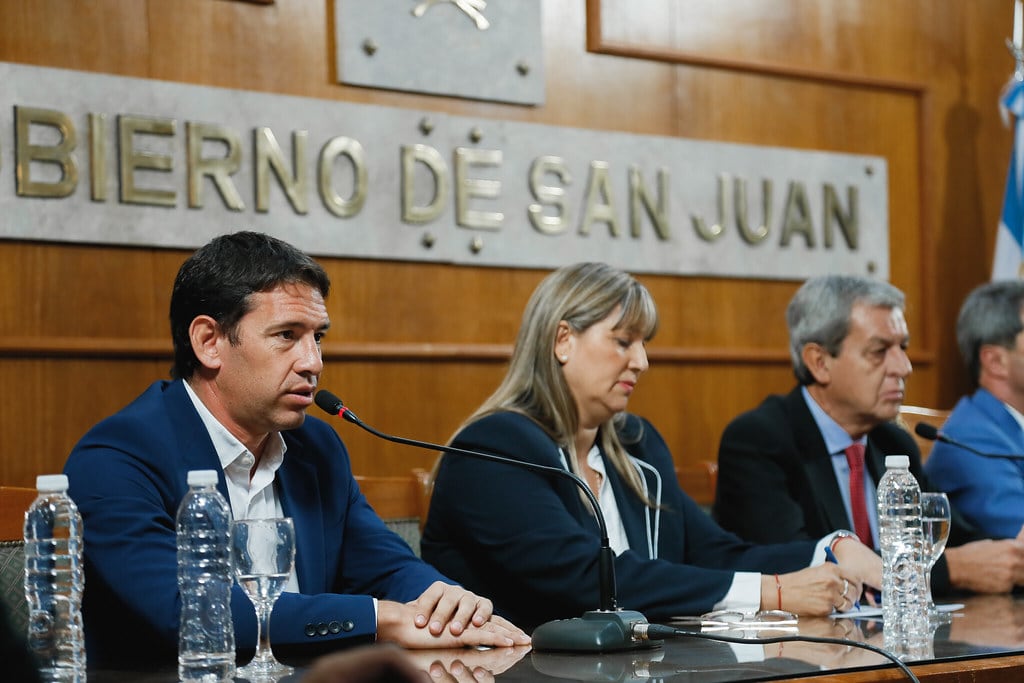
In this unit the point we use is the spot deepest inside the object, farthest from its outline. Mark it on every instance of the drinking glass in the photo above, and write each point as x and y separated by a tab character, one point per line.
263	554
935	520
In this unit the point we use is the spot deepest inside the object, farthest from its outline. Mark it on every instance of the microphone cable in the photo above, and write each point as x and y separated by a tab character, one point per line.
661	632
639	631
602	630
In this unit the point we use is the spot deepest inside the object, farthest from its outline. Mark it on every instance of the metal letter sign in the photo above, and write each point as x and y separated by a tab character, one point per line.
95	158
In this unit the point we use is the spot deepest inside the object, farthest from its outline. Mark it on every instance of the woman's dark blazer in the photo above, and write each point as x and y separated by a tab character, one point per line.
527	540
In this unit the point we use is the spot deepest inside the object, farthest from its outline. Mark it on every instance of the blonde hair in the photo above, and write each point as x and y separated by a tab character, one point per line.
534	385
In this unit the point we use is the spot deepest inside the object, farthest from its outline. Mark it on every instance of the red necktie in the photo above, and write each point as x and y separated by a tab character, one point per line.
861	525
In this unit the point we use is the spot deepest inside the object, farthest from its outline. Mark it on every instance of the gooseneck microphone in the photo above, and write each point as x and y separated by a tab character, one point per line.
606	629
927	431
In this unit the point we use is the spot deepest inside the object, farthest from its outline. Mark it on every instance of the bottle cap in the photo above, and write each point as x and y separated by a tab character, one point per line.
899	462
50	483
202	477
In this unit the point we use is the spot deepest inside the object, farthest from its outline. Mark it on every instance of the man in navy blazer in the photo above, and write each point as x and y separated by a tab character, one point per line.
247	319
988	491
782	471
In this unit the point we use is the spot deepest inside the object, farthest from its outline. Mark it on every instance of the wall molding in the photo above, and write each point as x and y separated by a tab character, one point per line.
598	43
118	348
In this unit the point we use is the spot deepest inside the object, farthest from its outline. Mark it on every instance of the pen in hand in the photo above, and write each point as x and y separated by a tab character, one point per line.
831	557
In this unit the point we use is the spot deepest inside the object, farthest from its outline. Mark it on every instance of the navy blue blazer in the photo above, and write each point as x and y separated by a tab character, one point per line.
127	476
776	481
527	541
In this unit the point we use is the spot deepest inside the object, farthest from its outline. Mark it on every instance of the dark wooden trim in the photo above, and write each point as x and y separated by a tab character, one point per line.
995	669
134	349
84	347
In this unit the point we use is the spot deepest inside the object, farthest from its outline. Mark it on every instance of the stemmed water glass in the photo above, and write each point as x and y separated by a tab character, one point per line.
935	520
263	554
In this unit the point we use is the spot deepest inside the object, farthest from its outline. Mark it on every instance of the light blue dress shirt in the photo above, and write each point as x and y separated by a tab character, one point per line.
837	440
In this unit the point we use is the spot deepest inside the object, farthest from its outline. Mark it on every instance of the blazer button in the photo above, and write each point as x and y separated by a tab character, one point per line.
334	627
321	629
310	630
347	626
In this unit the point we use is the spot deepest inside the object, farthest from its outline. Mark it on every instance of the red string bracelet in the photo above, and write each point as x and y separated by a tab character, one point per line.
778	586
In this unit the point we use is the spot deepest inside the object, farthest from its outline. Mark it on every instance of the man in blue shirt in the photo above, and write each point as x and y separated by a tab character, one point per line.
988	491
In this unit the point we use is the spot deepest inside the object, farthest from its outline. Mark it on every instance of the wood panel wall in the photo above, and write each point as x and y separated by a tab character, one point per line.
415	347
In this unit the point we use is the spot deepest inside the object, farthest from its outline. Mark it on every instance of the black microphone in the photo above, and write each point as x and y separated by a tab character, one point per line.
606	629
927	431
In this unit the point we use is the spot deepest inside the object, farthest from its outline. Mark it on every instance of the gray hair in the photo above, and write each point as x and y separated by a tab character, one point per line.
819	313
991	314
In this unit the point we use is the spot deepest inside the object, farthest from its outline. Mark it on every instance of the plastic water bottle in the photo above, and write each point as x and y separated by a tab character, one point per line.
55	580
904	593
206	634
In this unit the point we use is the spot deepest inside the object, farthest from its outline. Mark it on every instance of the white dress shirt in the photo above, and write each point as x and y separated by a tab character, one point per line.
251	497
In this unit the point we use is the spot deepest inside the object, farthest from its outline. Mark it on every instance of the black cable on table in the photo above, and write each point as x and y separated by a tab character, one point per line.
657	632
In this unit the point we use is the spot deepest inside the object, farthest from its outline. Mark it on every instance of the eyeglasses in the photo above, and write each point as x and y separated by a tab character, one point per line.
727	619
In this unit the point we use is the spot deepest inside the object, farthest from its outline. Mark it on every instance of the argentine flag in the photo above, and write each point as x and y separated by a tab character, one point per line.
1009	259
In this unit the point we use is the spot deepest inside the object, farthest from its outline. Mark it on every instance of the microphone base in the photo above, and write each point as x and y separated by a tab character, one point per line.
595	631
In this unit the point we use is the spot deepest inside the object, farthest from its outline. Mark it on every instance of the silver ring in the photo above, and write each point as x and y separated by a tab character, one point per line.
846	587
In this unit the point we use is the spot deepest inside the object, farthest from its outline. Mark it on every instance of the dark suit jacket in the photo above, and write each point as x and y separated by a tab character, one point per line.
127	476
527	541
776	482
18	662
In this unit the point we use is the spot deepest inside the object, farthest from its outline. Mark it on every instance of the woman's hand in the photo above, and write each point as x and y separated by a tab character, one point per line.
815	591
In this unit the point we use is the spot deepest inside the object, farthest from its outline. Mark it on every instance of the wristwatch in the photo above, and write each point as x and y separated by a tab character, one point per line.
839	536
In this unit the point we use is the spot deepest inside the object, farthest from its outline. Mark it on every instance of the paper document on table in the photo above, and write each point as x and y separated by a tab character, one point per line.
876	612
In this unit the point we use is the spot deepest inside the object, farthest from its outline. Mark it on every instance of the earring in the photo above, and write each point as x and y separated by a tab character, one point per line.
564	359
